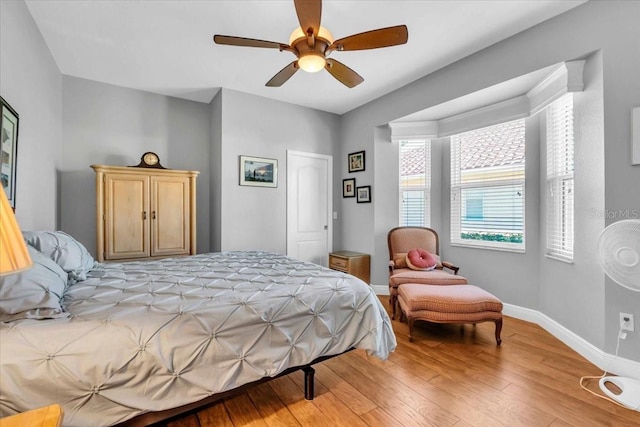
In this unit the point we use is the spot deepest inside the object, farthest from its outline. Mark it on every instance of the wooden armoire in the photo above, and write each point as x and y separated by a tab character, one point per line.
144	212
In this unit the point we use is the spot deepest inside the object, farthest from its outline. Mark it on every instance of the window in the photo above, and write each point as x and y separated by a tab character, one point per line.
487	187
415	183
560	179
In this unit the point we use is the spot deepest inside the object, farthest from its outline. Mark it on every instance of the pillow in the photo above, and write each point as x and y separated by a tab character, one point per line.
34	293
400	260
66	251
419	259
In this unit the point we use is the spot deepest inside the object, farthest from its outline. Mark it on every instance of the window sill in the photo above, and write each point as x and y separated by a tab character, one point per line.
483	245
558	258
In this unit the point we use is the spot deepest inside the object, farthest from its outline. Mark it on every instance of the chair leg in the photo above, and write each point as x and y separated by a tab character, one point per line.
498	330
393	300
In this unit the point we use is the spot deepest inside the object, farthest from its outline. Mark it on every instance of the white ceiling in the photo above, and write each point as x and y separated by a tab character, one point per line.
166	47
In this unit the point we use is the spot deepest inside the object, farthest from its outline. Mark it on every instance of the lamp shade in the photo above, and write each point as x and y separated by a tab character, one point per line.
312	62
14	255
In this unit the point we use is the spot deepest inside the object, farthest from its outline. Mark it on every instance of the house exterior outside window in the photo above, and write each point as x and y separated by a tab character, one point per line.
415	183
487	187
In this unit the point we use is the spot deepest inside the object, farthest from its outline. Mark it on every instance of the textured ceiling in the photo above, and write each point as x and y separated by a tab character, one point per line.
166	46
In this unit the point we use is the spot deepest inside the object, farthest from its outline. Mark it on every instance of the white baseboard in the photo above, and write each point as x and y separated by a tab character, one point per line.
381	289
605	361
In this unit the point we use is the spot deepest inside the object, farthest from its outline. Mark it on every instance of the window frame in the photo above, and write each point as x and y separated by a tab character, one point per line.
457	187
426	188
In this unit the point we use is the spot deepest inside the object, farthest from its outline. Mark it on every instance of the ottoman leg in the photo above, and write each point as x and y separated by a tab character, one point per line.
498	330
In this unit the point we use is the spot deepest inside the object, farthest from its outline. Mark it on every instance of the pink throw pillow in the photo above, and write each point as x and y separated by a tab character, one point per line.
419	259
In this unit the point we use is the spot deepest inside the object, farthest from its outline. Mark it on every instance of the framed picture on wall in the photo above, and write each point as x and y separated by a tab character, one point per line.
258	171
349	187
356	161
363	194
9	151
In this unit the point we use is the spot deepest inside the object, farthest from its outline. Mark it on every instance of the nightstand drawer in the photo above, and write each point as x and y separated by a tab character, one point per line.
337	263
354	263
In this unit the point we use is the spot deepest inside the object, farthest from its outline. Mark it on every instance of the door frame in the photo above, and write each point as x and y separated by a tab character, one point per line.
329	213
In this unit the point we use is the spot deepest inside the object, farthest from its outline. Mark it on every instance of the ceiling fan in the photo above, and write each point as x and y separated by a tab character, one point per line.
312	44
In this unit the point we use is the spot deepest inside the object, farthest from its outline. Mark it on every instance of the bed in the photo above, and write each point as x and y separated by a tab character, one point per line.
113	342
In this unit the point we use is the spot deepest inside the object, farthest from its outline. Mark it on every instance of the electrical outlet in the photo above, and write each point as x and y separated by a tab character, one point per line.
626	322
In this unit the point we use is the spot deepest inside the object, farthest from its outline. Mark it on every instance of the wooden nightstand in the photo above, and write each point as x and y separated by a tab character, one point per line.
354	263
48	416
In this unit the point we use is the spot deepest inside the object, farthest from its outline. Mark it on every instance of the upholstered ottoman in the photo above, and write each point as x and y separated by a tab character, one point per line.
449	304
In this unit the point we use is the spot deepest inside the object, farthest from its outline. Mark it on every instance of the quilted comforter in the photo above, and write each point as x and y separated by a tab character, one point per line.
153	335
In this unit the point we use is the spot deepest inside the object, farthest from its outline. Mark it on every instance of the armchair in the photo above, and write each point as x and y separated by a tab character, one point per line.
403	239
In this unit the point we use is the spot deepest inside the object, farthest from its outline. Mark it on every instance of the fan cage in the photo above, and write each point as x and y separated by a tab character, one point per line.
619	253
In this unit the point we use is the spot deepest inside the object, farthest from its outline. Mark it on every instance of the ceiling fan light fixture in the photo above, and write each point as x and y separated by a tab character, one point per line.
311	43
312	62
323	33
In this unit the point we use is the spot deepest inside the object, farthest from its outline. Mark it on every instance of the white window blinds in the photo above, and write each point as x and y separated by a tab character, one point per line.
487	187
415	183
560	184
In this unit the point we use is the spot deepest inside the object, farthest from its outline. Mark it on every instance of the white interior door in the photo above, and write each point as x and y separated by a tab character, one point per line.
309	206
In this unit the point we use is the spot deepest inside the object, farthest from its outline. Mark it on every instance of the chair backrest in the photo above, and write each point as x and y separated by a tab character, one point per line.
403	239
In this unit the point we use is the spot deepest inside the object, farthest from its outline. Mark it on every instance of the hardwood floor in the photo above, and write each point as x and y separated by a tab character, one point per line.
449	376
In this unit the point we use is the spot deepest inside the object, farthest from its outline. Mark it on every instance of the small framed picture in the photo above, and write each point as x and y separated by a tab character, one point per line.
356	161
258	171
8	151
363	194
349	187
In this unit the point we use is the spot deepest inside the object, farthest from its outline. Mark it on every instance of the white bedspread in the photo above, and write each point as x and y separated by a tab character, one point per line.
152	335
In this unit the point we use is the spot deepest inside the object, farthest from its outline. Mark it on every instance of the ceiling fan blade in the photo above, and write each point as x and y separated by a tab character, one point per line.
241	41
309	13
343	74
382	37
283	75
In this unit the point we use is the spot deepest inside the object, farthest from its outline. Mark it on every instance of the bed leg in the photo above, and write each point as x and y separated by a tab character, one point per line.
308	382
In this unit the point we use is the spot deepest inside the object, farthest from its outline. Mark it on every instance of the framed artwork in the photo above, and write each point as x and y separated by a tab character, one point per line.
356	161
363	194
258	171
9	151
349	187
635	136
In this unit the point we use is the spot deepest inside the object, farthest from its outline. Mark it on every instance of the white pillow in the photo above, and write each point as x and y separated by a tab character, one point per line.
66	251
35	293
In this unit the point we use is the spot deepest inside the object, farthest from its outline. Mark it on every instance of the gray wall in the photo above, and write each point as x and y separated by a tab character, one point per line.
215	184
387	169
612	27
111	125
583	279
255	217
32	84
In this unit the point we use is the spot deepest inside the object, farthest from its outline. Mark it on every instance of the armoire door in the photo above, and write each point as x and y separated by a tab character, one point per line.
126	216
170	215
